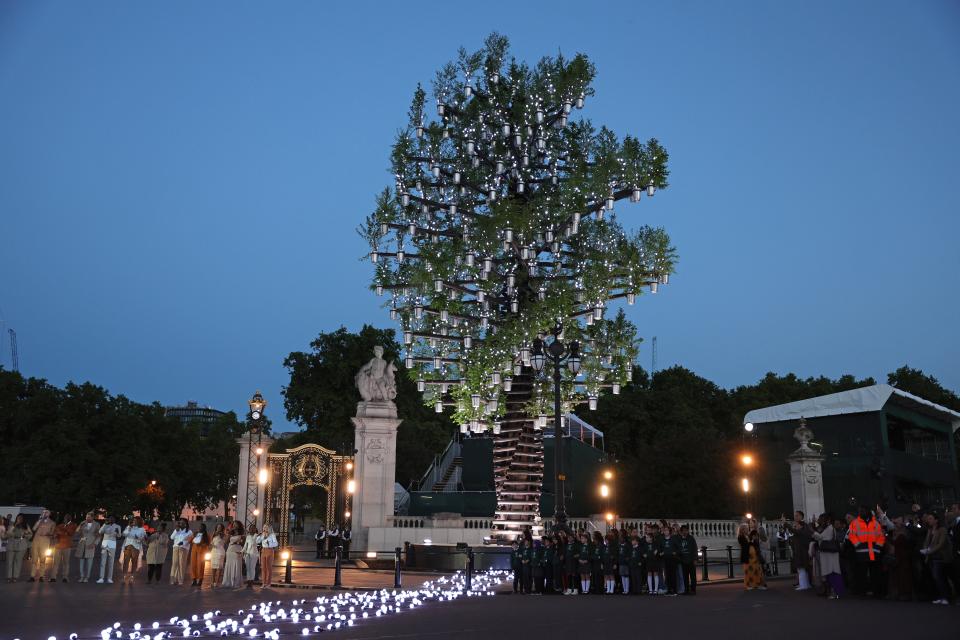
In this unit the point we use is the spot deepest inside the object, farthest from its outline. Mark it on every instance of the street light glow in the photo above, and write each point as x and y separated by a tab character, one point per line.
746	459
604	491
748	427
351	486
259	451
349	466
263	476
608	474
346	514
745	483
609	517
285	555
749	516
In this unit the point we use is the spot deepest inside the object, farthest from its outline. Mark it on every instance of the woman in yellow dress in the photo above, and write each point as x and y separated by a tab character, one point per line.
750	558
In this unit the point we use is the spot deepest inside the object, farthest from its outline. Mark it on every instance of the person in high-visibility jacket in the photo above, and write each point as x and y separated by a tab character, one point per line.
867	537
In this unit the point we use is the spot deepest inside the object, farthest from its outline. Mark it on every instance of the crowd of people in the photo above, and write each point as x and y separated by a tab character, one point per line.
660	560
913	556
233	552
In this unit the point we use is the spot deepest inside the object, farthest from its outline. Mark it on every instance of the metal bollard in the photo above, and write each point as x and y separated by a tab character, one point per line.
396	569
288	575
468	586
729	561
705	576
337	572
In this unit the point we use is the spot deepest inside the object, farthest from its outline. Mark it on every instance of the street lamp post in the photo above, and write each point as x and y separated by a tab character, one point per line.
255	422
558	353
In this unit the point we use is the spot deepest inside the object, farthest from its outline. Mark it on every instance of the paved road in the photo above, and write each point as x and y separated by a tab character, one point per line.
719	611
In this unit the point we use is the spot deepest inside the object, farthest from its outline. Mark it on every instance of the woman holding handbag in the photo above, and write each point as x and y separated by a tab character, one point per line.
828	555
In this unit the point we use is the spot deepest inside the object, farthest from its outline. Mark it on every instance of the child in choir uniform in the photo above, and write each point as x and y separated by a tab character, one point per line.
559	582
516	565
635	562
671	559
584	564
609	563
596	562
571	564
651	563
549	557
537	568
623	565
526	565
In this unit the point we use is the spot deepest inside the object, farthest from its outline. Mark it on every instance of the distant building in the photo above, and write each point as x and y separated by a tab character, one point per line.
880	445
193	412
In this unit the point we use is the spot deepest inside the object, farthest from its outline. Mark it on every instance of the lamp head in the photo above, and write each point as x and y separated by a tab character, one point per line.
538	360
257	405
573	362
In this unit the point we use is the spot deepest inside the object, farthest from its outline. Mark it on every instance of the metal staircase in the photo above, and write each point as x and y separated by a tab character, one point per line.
446	470
517	466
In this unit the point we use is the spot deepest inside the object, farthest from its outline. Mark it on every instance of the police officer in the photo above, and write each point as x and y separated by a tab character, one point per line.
321	538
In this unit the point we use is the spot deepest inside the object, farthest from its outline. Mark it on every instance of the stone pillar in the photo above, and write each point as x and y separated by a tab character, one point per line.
243	480
374	466
806	475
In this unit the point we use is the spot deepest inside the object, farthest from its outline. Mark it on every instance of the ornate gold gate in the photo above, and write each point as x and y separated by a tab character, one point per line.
306	465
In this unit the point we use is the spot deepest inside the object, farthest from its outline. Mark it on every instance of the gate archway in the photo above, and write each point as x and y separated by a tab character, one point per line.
306	465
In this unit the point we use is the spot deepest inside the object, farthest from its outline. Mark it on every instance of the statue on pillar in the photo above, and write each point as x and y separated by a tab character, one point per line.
376	380
803	434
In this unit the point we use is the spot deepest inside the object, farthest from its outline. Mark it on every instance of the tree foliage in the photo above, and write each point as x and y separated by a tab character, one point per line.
80	448
501	224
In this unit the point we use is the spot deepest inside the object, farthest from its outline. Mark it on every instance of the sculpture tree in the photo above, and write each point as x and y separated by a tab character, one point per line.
502	227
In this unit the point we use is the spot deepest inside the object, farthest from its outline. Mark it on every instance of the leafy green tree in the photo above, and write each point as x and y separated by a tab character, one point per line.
666	435
926	386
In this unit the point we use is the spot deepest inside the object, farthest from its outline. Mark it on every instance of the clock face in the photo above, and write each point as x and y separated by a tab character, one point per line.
255	415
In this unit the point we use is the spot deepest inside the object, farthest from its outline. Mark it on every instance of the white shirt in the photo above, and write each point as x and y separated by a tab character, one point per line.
109	534
270	542
250	545
134	537
181	538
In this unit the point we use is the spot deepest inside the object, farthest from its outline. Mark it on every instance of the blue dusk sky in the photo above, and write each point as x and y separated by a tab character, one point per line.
180	181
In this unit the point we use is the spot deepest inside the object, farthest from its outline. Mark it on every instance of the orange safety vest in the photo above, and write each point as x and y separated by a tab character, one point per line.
867	533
